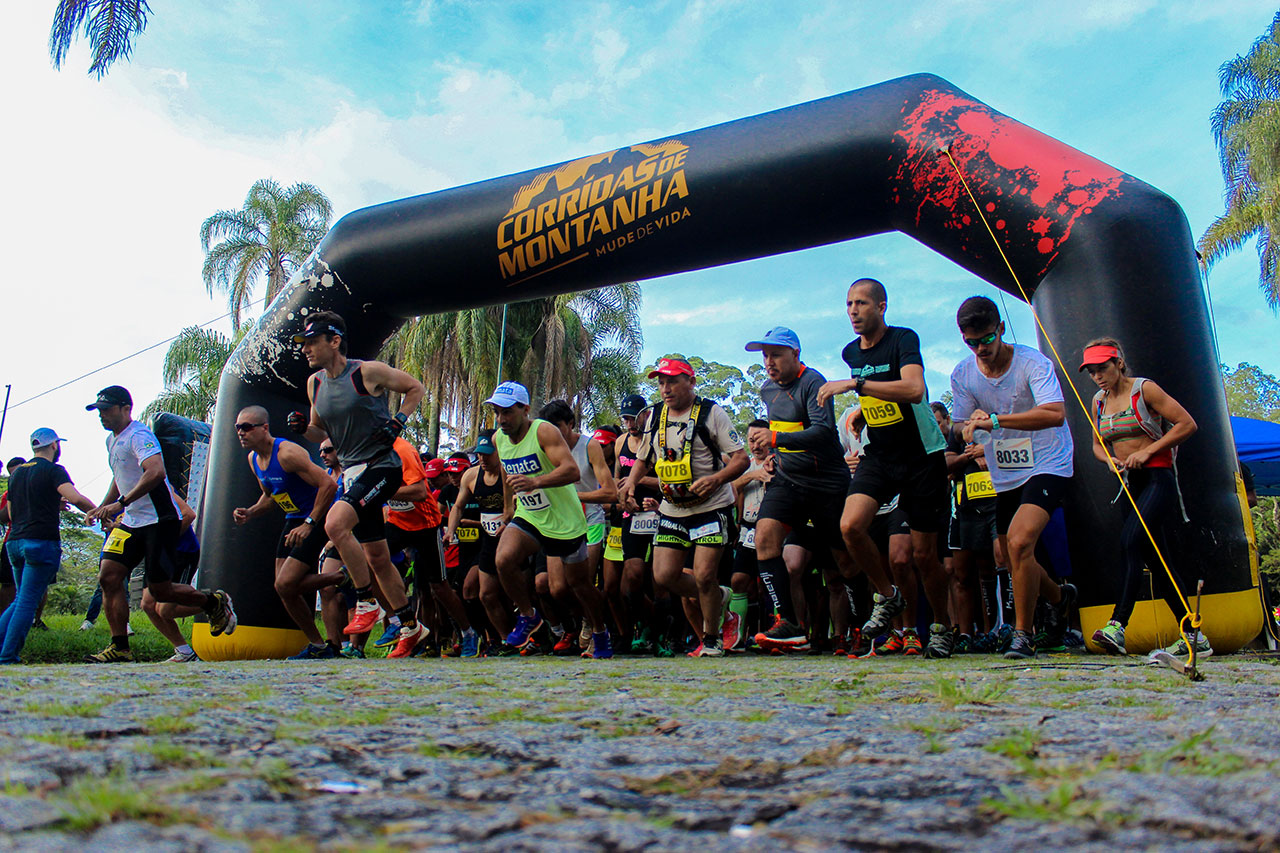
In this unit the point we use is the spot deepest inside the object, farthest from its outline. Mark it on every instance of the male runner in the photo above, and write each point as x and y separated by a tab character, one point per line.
595	484
638	530
548	516
483	484
810	479
289	480
349	405
685	444
904	456
748	492
150	528
1012	392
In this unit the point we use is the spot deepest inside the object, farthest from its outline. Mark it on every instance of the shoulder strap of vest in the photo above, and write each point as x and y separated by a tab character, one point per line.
315	385
704	432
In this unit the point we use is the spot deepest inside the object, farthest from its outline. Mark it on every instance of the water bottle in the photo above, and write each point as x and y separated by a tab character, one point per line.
982	436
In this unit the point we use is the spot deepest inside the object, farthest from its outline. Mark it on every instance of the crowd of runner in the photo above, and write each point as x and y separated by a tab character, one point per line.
895	528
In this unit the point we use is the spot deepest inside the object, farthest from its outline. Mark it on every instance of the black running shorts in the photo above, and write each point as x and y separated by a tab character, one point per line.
428	552
157	544
922	488
306	552
368	493
796	507
1043	490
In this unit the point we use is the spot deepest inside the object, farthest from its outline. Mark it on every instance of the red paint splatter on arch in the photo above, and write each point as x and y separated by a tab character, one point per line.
1009	167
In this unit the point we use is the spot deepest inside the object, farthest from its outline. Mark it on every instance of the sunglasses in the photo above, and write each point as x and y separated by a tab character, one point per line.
326	450
247	427
974	343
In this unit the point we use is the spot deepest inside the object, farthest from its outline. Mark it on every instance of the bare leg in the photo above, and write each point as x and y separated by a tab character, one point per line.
167	627
859	512
1030	580
514	548
115	598
289	575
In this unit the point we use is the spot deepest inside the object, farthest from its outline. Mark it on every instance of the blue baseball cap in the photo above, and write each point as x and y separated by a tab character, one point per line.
44	437
484	446
509	394
778	336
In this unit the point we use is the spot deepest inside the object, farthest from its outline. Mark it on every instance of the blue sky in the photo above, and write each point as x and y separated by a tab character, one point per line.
108	181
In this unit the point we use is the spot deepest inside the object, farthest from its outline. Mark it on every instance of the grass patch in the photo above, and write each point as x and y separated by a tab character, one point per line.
953	693
173	754
175	725
66	740
1065	801
91	802
1021	745
756	716
520	715
66	709
64	642
1197	755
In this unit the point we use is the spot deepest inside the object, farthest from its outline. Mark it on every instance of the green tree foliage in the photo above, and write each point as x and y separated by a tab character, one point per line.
192	368
110	27
1246	127
1251	393
736	389
270	236
78	573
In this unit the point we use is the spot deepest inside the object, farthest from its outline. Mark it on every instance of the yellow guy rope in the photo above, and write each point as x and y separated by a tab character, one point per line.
1192	618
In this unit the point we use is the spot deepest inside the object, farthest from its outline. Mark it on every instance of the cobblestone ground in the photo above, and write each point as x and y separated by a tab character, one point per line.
565	755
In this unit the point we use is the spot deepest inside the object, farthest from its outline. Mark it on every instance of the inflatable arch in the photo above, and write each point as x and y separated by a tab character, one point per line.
1099	251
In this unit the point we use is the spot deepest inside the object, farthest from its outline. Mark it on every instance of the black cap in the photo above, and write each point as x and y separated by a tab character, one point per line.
314	330
632	405
112	395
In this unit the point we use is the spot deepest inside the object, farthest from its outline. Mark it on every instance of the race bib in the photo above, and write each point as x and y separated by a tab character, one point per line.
614	542
880	413
285	502
747	537
786	426
468	534
1014	454
978	485
115	542
533	501
399	506
491	522
644	523
711	528
675	473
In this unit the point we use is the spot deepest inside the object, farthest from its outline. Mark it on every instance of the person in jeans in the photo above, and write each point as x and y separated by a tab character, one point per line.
36	492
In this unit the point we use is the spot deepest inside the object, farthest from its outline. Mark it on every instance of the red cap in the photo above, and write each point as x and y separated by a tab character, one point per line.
672	367
456	465
1099	354
605	436
434	467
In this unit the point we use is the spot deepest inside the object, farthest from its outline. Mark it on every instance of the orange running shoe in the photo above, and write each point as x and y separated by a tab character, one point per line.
911	643
368	614
409	639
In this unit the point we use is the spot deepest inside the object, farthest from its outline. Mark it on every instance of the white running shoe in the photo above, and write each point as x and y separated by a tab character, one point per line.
86	625
179	657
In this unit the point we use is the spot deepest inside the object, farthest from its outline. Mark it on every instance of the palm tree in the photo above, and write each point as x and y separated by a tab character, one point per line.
109	25
192	367
1246	127
272	235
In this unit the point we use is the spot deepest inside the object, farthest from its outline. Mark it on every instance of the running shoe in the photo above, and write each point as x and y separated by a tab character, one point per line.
584	634
964	644
942	643
1111	637
224	621
859	645
470	644
662	648
111	655
642	642
840	646
183	657
882	613
731	631
1058	619
1047	642
426	649
410	637
389	637
567	644
1179	649
351	651
368	614
501	650
39	625
710	647
893	645
324	651
1004	637
523	631
1021	647
784	636
601	646
911	646
86	625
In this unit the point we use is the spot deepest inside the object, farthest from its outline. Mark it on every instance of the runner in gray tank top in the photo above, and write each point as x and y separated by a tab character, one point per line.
349	407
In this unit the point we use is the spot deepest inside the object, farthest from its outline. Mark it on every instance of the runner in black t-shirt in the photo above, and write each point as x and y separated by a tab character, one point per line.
904	456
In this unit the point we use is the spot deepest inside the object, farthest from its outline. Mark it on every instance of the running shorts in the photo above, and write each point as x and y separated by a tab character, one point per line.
428	552
157	544
368	492
709	529
923	488
308	551
570	550
1043	490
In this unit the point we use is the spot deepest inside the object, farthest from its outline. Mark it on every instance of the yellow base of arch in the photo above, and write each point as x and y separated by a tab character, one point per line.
249	642
1230	620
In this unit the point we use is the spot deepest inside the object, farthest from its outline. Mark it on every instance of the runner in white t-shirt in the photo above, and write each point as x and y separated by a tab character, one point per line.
1012	393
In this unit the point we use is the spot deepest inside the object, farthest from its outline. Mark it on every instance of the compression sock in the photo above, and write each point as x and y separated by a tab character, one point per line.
738	603
405	616
777	583
990	600
365	593
1006	595
557	631
121	642
853	605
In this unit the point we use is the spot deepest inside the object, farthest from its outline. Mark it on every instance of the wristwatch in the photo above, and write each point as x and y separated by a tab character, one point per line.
858	383
309	521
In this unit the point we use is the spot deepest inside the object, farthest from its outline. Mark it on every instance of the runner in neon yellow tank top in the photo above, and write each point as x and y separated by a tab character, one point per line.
540	474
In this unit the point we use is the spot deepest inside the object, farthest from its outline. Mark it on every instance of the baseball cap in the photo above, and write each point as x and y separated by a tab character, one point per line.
434	467
778	336
484	445
604	435
632	405
456	465
312	330
672	367
44	437
509	394
112	395
1099	354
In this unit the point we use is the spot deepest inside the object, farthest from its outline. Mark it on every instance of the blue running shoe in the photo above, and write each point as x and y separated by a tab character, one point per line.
351	651
389	637
470	644
310	652
525	626
601	646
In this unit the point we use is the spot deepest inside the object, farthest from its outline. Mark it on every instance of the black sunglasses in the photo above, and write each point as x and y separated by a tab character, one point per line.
247	427
326	450
974	343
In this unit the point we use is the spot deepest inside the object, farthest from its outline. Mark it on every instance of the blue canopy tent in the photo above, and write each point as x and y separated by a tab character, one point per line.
1258	445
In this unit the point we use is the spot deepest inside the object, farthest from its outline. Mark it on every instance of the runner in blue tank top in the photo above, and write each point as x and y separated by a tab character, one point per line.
301	488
